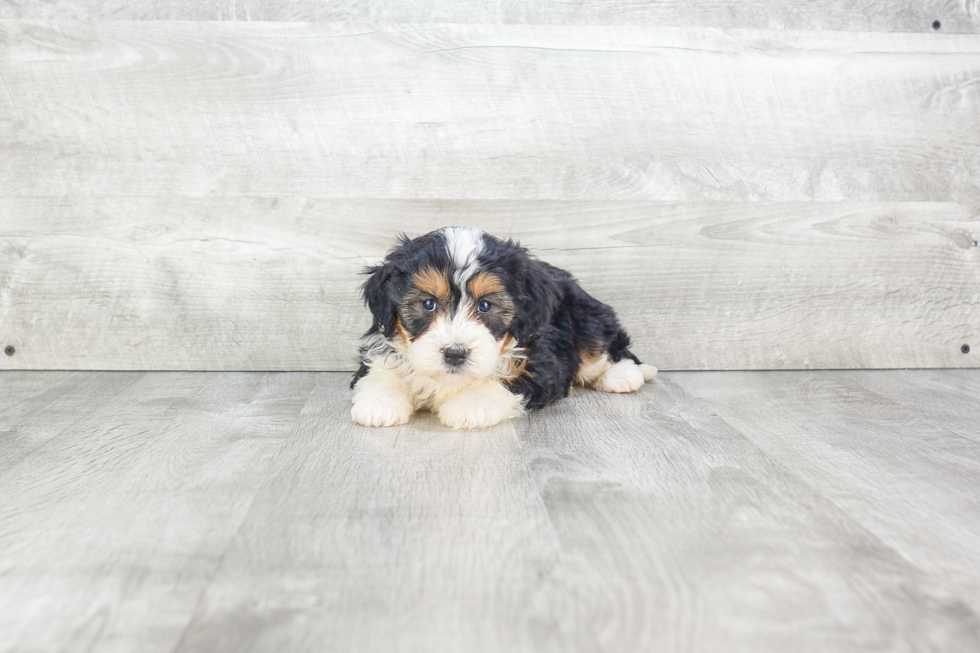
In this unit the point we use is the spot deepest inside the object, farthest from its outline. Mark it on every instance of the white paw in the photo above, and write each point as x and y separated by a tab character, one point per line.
480	407
649	371
469	412
624	376
381	409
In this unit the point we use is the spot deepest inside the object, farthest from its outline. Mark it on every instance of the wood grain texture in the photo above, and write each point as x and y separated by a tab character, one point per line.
889	448
252	284
31	416
93	109
111	528
736	512
859	15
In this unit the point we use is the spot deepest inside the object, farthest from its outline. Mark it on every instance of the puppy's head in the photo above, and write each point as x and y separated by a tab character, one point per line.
459	303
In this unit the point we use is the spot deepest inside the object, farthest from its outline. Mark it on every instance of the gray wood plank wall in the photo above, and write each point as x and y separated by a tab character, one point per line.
199	193
850	15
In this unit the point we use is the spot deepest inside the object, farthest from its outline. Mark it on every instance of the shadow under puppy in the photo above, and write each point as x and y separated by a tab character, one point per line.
478	330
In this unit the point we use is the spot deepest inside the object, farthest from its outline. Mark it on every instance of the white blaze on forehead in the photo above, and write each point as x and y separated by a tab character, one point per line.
464	244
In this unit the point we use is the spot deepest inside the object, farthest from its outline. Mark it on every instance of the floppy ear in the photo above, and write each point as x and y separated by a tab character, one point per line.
376	292
539	294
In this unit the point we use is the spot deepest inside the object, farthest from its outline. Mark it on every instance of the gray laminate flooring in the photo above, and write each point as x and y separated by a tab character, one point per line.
730	511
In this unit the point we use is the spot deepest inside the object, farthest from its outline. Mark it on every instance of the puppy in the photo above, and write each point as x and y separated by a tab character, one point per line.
477	330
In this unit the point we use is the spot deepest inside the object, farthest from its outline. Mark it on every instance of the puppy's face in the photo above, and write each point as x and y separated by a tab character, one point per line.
454	334
446	300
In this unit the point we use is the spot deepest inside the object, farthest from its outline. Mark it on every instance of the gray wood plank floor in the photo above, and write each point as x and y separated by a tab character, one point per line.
713	511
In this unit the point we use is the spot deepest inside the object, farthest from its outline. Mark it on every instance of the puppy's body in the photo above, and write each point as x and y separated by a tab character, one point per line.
477	330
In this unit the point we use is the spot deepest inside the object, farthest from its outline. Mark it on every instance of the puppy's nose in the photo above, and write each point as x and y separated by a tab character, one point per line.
455	355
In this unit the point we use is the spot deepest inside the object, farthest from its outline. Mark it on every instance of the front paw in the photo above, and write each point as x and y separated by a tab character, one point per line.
387	409
471	410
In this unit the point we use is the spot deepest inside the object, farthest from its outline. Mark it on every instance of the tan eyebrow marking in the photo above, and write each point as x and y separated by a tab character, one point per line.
484	284
433	282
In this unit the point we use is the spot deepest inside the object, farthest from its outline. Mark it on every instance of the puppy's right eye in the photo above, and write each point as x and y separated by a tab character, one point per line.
429	304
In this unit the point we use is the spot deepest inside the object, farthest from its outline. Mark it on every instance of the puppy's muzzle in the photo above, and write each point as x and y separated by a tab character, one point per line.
455	356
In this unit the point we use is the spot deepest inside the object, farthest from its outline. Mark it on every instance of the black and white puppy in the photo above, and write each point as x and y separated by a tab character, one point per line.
477	330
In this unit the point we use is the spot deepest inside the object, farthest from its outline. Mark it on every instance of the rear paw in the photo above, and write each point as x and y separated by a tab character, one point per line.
624	376
649	371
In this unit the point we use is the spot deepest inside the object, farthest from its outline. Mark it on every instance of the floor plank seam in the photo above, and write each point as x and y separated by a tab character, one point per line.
233	540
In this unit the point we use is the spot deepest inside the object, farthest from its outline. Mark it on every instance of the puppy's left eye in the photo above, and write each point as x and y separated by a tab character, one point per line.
429	305
484	306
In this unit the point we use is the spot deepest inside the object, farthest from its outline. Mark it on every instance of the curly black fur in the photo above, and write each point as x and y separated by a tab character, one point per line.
555	320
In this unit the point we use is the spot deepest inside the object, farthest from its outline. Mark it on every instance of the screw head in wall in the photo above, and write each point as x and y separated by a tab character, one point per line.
965	349
9	350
